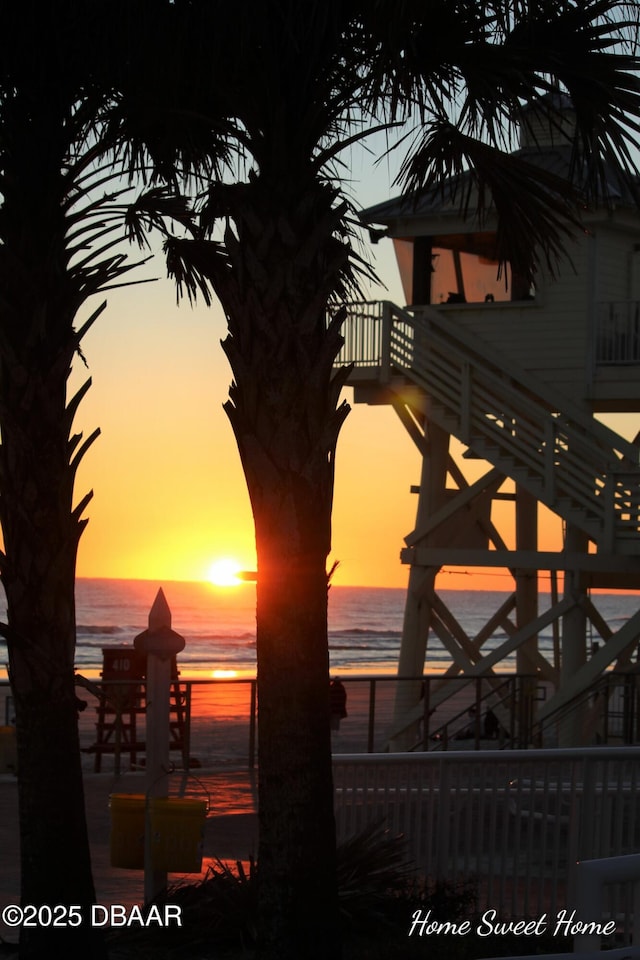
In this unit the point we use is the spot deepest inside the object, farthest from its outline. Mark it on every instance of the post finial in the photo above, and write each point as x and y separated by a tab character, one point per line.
159	614
159	638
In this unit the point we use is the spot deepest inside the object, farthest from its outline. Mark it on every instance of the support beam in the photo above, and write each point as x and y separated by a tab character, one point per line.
410	419
628	635
592	563
574	637
488	484
526	580
413	648
520	636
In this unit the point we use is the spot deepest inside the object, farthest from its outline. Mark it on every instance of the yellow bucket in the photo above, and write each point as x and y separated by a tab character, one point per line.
177	832
127	830
8	754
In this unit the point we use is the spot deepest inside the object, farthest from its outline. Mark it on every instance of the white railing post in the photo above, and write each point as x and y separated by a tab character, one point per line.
385	345
160	644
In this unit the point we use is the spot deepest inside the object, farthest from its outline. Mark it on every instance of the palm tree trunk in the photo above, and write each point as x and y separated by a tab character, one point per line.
284	411
39	583
296	856
40	527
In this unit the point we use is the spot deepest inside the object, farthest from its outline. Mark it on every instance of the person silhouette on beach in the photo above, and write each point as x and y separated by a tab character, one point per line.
337	702
491	725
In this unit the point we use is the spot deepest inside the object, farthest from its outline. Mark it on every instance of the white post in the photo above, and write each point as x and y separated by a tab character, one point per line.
161	644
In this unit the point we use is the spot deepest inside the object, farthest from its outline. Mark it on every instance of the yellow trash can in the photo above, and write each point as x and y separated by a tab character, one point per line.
177	832
8	752
127	830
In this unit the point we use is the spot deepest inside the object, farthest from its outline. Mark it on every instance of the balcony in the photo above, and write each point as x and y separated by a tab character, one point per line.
618	333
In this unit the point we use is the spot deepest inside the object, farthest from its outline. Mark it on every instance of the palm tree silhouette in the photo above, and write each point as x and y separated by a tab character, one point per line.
298	84
64	220
263	100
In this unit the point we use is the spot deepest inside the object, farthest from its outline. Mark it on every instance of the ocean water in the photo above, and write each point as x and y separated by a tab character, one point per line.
218	624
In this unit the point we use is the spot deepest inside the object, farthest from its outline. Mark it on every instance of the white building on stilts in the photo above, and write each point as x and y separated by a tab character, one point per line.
517	375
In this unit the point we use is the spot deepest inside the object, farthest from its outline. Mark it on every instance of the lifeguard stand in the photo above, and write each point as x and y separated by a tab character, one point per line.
123	703
484	370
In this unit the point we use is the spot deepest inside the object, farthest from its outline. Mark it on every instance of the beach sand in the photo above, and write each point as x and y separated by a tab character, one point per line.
220	730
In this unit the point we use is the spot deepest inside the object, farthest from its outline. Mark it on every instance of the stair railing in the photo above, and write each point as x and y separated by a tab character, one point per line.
568	460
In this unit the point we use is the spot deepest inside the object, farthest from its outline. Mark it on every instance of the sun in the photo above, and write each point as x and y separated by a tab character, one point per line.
224	573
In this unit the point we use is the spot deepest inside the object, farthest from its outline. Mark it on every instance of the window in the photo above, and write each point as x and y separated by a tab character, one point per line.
456	268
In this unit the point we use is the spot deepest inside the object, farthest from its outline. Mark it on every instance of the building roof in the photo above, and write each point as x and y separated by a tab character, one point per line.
445	198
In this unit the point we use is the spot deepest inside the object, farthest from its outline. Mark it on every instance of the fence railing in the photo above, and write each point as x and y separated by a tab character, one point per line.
495	709
512	824
216	720
609	712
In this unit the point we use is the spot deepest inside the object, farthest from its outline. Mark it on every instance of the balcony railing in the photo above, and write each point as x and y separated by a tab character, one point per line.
618	333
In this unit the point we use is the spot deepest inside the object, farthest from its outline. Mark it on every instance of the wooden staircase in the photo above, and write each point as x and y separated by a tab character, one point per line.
576	466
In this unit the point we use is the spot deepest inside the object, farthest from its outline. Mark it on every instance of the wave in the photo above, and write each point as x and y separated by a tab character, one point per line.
365	625
364	646
245	636
97	645
131	632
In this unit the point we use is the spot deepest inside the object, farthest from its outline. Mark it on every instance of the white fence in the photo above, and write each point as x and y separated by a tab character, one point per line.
514	823
593	878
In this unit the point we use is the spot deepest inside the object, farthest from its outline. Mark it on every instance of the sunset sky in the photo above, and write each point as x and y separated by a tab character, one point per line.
169	493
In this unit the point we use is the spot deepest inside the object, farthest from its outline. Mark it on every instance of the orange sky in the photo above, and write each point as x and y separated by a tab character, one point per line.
169	494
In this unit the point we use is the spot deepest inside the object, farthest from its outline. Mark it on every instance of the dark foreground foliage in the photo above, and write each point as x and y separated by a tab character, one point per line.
379	894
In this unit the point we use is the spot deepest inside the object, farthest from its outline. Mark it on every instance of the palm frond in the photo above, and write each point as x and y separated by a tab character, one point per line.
152	209
581	48
472	82
537	211
190	263
372	865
